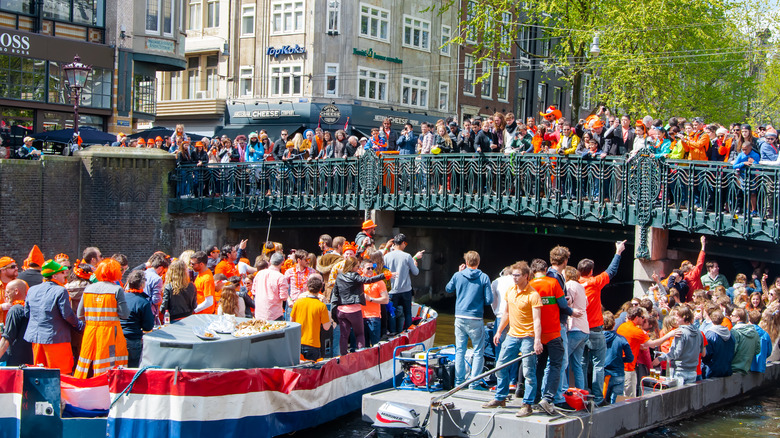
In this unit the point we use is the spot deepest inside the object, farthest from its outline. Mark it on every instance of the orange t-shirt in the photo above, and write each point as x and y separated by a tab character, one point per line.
635	337
520	304
549	291
204	285
373	290
227	268
593	286
310	313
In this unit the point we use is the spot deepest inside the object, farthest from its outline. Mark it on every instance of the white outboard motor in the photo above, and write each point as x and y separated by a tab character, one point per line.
394	420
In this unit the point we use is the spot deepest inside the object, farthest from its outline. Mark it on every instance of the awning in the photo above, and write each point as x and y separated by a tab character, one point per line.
273	130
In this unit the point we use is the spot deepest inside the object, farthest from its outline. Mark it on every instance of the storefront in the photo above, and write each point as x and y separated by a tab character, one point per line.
34	96
243	118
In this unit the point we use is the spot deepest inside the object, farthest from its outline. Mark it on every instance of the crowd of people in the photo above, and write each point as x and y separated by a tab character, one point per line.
90	315
691	325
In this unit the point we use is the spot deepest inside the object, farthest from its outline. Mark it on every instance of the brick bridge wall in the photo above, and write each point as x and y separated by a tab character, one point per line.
104	197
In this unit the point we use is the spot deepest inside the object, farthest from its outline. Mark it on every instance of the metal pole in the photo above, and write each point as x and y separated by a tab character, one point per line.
268	234
75	112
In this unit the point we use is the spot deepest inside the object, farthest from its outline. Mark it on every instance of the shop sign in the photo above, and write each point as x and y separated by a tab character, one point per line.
285	50
13	43
370	54
399	121
160	45
265	114
330	114
125	123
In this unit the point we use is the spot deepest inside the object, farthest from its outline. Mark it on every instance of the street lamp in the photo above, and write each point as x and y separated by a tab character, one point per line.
76	74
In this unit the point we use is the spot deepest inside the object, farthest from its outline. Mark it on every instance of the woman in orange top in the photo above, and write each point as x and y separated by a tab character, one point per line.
376	295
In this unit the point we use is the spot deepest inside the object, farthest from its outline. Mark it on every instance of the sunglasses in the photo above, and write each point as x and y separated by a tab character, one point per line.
517	275
11	267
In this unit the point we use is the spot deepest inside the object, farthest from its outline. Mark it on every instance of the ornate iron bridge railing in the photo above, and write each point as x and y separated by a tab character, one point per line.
693	196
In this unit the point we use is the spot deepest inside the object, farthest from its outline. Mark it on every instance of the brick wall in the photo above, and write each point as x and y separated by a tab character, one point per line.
115	199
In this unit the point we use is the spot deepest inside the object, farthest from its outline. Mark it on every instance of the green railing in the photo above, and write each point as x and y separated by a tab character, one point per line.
693	196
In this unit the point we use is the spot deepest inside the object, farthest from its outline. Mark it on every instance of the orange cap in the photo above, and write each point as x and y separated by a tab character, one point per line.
36	257
368	224
598	124
5	261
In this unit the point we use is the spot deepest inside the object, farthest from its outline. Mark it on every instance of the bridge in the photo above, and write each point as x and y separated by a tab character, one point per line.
692	196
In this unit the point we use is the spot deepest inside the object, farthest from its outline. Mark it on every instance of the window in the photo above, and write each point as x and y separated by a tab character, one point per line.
417	33
57	10
193	77
286	17
212	77
248	20
167	18
471	31
506	30
414	91
334	11
212	13
558	97
487	82
195	18
153	16
522	99
246	81
372	84
444	96
523	33
286	80
502	89
468	75
331	80
144	91
446	33
374	22
587	102
541	98
176	85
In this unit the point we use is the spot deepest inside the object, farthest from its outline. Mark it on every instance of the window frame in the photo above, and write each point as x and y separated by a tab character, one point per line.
470	36
280	76
445	49
244	9
503	72
422	22
158	30
243	76
328	74
333	8
522	99
216	5
487	63
384	81
444	86
469	74
294	12
423	91
369	16
191	18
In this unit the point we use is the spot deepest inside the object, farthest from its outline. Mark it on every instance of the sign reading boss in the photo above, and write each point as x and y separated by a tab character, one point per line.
14	42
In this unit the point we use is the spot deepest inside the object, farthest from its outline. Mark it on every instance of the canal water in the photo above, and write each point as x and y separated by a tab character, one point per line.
755	417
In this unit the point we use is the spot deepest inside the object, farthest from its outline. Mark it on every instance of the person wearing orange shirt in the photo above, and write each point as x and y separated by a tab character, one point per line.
637	339
204	284
596	341
311	314
230	256
521	310
8	272
376	295
553	356
692	273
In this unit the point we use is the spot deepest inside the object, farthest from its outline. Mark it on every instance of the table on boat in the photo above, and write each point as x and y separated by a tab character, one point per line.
176	345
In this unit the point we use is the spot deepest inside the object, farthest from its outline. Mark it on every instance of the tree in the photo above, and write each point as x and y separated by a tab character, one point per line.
659	57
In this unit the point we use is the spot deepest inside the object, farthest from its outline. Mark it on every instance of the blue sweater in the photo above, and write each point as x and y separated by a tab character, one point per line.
472	292
720	352
618	353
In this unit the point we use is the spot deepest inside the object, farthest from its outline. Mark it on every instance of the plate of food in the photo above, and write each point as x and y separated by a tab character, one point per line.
257	326
205	334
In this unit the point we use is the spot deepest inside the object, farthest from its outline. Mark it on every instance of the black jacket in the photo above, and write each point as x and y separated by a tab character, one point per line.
465	143
280	146
483	141
179	305
616	144
349	288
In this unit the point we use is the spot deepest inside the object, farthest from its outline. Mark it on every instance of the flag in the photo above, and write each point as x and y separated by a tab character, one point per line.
346	124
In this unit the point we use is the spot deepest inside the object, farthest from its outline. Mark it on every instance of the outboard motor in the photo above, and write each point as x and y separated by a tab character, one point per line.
394	420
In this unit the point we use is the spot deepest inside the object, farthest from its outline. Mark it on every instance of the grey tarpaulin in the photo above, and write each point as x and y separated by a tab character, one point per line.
176	345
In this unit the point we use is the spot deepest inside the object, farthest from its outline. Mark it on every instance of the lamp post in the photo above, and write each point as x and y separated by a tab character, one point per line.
76	74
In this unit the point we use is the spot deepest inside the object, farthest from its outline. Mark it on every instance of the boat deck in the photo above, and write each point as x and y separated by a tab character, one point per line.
467	418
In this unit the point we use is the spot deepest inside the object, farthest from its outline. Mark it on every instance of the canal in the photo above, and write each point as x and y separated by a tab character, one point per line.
756	417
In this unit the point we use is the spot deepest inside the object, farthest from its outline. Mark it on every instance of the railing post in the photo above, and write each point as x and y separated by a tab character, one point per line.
644	183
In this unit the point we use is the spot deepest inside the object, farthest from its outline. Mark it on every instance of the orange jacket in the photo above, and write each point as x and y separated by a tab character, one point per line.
697	146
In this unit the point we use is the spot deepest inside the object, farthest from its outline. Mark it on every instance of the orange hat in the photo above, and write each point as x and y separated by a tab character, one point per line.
84	273
349	246
552	111
198	144
591	119
640	123
108	270
158	138
61	256
5	261
141	140
36	257
369	224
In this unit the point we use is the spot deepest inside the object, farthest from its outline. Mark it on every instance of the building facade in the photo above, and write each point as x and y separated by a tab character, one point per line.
38	38
297	64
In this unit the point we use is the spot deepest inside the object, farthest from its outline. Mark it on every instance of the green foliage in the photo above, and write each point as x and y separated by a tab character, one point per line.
660	57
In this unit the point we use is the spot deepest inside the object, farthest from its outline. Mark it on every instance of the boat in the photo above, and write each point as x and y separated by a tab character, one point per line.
170	402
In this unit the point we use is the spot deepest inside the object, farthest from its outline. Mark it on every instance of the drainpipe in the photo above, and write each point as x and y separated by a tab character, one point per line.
38	21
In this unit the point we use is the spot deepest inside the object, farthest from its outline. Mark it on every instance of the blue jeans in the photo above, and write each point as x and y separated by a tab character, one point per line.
509	351
577	341
515	367
466	329
551	382
687	376
372	330
404	301
598	355
615	387
562	364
